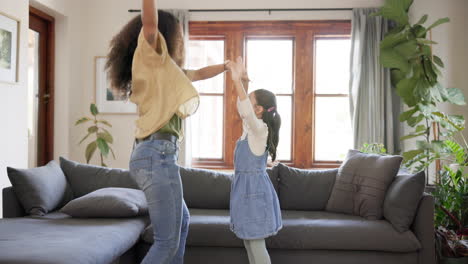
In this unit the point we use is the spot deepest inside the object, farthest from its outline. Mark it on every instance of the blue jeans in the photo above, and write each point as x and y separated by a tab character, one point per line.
153	166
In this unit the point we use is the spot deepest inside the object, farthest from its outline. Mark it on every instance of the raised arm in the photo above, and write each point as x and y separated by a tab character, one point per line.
208	72
237	72
149	19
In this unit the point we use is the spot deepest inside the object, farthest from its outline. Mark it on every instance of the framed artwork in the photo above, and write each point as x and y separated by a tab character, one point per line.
107	100
9	36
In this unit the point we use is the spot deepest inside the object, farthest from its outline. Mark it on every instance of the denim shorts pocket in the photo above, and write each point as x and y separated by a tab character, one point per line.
254	207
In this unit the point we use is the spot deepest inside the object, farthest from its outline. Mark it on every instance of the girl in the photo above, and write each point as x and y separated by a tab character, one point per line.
144	61
255	211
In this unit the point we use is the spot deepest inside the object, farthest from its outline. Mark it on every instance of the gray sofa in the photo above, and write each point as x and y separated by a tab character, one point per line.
309	235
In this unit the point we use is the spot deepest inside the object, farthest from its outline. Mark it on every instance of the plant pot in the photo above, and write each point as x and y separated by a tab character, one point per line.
463	260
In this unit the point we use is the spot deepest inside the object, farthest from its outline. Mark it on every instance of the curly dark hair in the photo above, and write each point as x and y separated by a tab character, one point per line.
271	117
123	46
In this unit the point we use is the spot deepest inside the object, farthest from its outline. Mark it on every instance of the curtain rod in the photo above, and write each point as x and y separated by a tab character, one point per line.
259	10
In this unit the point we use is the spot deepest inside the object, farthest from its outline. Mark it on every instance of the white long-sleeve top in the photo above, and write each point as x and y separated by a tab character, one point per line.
254	128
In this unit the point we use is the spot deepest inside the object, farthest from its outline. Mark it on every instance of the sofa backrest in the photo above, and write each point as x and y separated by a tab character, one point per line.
306	190
210	189
84	178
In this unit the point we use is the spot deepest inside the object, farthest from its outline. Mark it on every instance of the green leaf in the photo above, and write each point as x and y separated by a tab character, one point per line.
422	20
92	129
421	128
410	136
82	120
456	150
409	155
89	134
438	22
94	110
390	58
455	96
407	49
103	146
406	115
405	89
90	149
419	31
438	61
106	136
413	121
393	39
397	76
105	123
396	10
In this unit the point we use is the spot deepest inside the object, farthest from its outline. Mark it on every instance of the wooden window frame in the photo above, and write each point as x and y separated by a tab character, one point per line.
303	33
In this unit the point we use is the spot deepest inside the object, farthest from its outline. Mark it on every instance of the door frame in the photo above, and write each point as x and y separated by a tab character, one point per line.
45	135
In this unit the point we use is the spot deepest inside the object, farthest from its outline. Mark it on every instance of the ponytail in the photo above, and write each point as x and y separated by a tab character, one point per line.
271	117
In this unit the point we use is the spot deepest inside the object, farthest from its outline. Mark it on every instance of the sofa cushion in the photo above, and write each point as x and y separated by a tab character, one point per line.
304	189
303	230
108	203
84	178
211	189
361	184
57	239
206	188
40	190
402	199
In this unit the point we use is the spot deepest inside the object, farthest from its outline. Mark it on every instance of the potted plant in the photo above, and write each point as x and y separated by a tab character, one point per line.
103	138
415	74
451	217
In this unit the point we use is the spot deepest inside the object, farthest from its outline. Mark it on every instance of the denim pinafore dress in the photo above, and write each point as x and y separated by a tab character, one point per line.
254	207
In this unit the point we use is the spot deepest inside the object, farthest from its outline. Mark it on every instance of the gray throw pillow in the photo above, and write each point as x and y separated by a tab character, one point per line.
108	203
84	178
307	190
361	184
402	199
40	190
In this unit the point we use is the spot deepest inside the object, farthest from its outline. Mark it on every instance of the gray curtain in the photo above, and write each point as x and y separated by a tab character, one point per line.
374	105
185	153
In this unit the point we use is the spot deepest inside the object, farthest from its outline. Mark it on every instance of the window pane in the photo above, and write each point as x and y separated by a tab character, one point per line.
333	135
332	66
207	128
285	110
270	65
202	53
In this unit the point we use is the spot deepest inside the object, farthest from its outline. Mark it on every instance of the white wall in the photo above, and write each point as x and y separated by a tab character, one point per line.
13	110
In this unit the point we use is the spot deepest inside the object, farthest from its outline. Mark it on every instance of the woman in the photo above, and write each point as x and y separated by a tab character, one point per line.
144	62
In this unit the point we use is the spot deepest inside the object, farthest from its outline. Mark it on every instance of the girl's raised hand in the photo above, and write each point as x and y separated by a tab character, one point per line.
236	68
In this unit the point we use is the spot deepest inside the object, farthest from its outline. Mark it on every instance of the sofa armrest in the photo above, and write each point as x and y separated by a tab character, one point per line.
11	205
423	228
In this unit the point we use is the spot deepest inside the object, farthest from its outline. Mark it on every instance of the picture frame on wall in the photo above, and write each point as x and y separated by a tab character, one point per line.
107	100
9	40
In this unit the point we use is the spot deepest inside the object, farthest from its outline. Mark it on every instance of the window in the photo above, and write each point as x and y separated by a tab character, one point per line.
305	63
207	123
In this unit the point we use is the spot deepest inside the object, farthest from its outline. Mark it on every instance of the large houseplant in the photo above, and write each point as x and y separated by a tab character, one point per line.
415	73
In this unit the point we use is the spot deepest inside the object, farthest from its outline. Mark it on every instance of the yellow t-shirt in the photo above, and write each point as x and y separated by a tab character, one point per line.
160	89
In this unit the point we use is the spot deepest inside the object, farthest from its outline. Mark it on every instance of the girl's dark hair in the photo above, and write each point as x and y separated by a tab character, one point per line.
123	46
271	117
